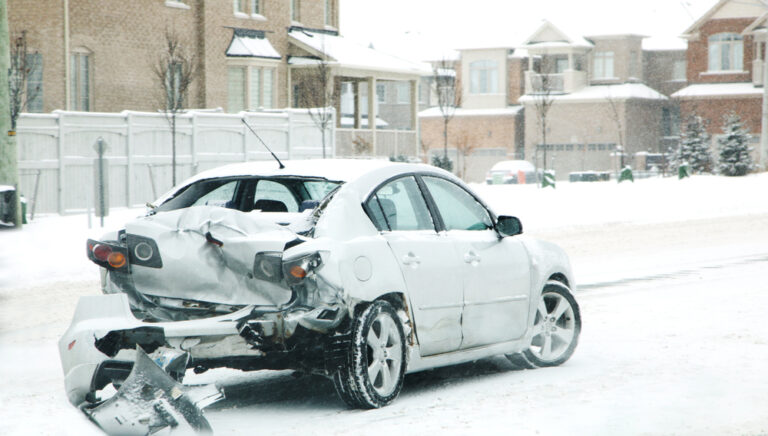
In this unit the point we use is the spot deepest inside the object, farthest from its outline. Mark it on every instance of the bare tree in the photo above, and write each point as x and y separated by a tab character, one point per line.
615	114
542	100
465	146
22	64
175	69
319	94
448	93
18	64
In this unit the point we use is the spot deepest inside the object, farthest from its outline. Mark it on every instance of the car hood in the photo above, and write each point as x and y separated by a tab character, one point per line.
194	268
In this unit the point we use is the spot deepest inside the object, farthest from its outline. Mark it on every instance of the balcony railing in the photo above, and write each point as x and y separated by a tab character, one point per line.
567	82
546	83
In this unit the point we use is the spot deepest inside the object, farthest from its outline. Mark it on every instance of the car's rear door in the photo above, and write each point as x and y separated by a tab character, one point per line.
427	261
495	272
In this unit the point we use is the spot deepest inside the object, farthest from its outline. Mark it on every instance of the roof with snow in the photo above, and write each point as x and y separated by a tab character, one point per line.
550	36
434	112
350	55
709	90
251	43
624	91
728	9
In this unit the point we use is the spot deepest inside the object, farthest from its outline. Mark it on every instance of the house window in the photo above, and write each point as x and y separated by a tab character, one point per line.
483	77
236	89
381	92
634	68
726	52
561	64
35	83
250	87
678	70
403	93
247	7
603	65
295	10
80	80
329	13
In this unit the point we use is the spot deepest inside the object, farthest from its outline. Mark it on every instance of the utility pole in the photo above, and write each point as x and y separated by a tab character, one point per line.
764	117
9	173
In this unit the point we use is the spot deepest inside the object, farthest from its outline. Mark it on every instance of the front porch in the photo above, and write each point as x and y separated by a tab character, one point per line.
359	76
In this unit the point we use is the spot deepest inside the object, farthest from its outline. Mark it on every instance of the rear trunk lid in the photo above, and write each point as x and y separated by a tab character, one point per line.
207	254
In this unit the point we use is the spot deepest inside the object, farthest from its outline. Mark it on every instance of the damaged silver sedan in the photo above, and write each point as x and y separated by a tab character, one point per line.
361	271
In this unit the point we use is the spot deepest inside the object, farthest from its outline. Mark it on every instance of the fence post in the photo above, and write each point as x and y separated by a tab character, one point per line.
289	135
128	158
193	143
245	136
60	146
333	134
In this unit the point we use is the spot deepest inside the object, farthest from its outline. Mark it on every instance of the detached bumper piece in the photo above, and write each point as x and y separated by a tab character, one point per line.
150	400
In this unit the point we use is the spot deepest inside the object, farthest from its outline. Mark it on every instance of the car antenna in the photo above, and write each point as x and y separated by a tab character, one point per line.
262	141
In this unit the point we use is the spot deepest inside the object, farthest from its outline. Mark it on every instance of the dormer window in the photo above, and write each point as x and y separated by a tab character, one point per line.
726	52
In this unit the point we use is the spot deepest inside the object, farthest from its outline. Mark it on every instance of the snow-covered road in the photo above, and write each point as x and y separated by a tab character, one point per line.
675	347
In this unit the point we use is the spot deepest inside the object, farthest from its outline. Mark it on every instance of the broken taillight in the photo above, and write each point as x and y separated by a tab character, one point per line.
108	255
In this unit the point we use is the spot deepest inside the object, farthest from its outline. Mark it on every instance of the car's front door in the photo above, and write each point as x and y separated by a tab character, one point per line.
427	261
495	272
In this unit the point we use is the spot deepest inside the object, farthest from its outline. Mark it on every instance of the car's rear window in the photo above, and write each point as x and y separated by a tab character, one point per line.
251	193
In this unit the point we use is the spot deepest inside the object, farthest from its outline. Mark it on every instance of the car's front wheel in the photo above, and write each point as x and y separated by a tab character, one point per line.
372	362
556	329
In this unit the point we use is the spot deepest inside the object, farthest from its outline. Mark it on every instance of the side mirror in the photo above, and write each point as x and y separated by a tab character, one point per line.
509	226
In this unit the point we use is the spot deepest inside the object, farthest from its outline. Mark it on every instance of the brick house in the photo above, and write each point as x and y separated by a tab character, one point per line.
609	93
606	104
98	55
726	62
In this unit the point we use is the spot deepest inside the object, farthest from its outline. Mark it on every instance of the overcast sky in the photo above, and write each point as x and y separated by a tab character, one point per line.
485	23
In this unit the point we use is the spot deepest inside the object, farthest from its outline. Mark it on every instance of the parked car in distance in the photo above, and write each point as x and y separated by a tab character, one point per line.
358	270
511	171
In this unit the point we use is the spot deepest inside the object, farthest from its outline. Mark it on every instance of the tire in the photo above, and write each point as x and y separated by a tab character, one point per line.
556	329
371	360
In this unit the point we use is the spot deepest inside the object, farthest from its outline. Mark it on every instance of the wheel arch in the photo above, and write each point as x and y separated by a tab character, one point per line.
559	277
399	302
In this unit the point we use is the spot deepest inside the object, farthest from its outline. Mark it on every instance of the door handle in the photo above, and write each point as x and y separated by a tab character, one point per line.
411	260
472	257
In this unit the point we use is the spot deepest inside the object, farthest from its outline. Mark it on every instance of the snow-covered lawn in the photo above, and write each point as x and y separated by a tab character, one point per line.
674	336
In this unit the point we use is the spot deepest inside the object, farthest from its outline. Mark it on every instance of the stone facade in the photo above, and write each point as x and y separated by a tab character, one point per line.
584	136
124	39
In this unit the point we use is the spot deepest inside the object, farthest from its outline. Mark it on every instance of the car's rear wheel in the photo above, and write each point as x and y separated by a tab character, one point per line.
556	329
372	362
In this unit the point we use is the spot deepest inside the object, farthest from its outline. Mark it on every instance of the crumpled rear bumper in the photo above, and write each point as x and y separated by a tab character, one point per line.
100	343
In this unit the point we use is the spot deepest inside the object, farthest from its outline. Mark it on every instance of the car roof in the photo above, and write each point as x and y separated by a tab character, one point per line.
341	170
332	169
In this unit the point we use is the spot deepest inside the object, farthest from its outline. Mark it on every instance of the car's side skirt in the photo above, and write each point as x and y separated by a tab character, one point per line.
418	363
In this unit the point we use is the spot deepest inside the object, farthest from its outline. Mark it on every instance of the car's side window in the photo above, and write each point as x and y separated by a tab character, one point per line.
271	196
221	196
399	205
459	209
